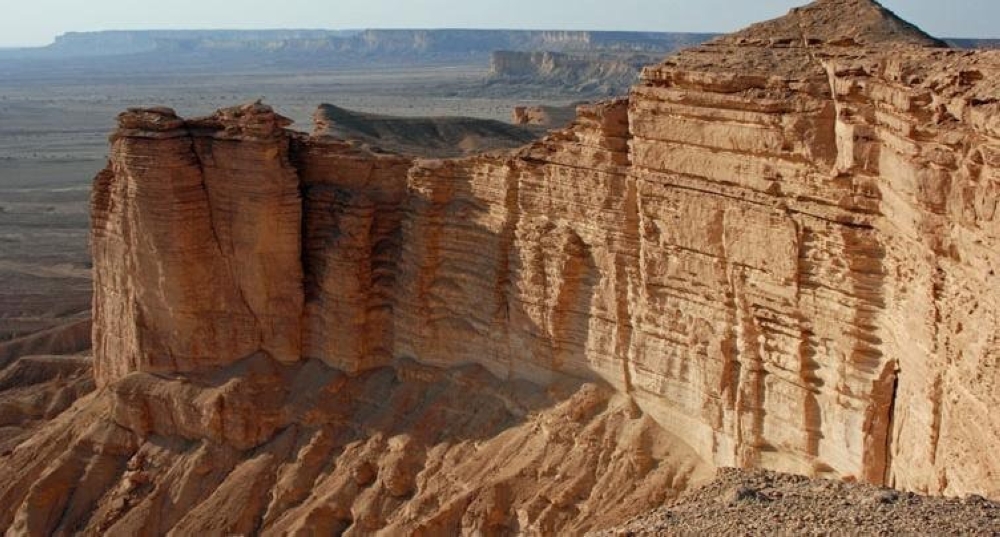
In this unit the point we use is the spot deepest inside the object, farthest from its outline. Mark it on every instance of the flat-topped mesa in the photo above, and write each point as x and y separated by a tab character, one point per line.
199	226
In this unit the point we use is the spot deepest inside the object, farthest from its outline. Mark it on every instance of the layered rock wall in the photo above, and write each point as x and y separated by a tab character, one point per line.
197	240
935	119
783	253
353	210
827	227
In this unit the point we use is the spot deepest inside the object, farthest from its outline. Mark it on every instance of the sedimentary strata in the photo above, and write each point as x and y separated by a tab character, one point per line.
778	252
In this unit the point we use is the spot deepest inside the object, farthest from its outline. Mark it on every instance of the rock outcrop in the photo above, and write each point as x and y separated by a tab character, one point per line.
592	74
553	117
778	252
834	195
200	225
37	389
70	338
432	137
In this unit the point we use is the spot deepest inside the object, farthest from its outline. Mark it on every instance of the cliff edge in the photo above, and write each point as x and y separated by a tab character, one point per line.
776	252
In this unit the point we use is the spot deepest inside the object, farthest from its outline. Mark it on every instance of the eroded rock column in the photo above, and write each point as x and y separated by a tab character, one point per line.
196	243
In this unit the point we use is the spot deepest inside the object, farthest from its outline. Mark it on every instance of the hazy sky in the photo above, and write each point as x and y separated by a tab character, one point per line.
36	22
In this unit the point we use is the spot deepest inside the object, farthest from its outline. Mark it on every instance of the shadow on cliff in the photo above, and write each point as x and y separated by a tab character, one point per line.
420	268
427	260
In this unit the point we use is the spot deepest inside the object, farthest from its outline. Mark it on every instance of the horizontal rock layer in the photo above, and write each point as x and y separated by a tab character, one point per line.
198	227
825	227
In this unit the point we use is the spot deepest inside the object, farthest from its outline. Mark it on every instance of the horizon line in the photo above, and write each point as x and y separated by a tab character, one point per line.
399	28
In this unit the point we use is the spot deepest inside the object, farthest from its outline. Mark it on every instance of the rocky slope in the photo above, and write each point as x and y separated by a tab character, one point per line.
778	252
36	389
834	23
766	503
267	448
70	338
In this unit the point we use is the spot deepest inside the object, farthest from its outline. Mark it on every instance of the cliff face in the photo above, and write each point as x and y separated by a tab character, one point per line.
829	232
937	164
199	225
773	254
778	266
830	212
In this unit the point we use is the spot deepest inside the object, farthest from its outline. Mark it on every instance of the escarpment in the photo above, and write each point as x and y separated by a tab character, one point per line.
776	252
607	74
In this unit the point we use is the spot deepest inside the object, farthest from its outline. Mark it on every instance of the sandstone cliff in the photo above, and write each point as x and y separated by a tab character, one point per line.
200	224
777	252
845	198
